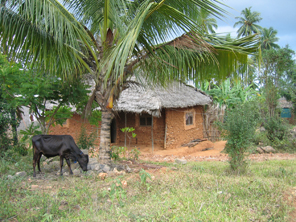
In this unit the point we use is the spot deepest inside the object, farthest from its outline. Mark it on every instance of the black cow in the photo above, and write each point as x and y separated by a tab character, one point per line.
57	145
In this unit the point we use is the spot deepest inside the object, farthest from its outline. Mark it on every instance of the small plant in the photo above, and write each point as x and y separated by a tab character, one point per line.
116	151
85	141
117	192
239	131
27	134
129	130
143	176
134	154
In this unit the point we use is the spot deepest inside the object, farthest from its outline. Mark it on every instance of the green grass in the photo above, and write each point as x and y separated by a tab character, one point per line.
197	191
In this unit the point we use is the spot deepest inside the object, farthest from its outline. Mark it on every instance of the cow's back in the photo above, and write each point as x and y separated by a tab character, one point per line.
55	143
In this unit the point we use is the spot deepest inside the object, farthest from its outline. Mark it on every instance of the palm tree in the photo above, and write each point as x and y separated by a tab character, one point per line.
247	23
268	39
114	39
206	21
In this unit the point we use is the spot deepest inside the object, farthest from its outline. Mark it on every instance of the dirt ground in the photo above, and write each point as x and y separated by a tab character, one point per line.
204	151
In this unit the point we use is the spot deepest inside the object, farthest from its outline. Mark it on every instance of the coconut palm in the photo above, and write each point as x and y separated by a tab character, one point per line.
247	23
206	21
268	39
114	39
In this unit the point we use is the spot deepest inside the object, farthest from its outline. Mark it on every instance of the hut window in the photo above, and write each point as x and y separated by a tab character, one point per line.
145	120
189	119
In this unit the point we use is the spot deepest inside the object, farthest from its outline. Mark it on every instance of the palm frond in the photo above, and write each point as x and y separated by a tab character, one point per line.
43	33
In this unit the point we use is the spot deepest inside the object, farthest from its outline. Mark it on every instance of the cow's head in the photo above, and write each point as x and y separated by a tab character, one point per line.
83	161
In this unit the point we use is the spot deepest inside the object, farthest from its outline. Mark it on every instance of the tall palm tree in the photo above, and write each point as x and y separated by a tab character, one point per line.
247	23
268	39
113	39
206	21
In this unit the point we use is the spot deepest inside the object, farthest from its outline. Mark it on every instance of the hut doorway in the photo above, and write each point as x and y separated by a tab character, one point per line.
113	131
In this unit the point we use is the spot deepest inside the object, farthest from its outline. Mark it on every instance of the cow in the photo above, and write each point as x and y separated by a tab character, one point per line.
57	145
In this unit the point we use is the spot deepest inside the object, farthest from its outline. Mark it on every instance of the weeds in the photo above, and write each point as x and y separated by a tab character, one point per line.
198	191
117	151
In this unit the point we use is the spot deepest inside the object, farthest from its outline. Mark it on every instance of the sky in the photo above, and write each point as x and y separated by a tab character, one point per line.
279	14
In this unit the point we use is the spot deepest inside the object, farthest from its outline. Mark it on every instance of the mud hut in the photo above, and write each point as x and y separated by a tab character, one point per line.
168	117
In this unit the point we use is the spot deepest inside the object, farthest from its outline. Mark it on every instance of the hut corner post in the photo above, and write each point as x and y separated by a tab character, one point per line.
125	125
152	141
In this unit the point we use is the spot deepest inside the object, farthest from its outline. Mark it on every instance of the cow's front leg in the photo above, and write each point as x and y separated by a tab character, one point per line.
69	165
61	165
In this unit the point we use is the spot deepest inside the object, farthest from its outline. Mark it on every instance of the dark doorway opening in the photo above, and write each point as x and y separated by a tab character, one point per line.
113	131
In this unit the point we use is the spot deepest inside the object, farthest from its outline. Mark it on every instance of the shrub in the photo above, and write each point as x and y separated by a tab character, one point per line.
85	141
116	151
134	154
31	131
239	131
21	149
276	128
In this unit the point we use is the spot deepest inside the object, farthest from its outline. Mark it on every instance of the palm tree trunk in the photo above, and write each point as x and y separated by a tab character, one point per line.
104	153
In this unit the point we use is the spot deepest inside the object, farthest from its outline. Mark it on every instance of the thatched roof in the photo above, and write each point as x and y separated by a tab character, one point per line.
283	103
151	100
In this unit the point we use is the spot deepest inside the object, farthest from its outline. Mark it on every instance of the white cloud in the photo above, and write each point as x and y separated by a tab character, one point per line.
226	30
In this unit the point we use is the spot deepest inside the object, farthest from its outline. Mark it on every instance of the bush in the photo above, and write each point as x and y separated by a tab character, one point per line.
85	141
276	128
21	149
31	131
239	131
116	151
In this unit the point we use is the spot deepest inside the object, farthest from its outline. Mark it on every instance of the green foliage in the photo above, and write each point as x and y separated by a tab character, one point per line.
117	151
134	154
95	117
7	108
117	192
144	176
85	141
28	133
276	128
228	93
34	89
239	130
247	22
129	133
21	149
60	115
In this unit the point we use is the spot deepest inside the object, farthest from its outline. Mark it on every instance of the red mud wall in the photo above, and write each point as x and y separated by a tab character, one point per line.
143	132
73	127
177	131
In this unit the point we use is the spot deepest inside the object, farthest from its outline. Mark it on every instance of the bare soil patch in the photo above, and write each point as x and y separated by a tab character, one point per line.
204	151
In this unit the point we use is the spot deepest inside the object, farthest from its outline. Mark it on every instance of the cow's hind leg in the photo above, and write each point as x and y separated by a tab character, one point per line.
61	165
38	162
69	165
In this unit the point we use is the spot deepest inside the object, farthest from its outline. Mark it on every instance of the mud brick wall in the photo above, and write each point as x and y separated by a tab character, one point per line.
73	127
143	132
177	131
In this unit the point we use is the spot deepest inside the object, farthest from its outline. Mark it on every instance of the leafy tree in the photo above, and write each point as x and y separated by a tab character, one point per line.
35	90
274	74
247	22
114	39
268	39
8	119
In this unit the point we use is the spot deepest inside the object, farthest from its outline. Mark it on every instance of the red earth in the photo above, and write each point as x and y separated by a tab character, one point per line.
204	151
